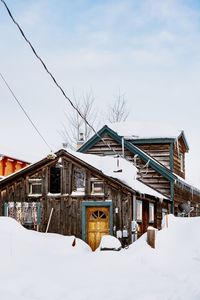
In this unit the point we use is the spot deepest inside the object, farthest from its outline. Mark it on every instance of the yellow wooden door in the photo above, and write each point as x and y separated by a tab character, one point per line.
97	225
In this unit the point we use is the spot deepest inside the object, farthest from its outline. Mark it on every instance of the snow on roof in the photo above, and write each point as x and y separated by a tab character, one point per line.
14	157
108	165
144	130
186	182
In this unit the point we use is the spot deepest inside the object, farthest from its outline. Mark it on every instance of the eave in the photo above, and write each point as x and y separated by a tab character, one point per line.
152	141
187	186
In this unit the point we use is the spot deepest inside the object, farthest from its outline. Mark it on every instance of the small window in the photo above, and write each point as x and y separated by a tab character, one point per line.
139	210
97	187
78	180
98	214
35	186
151	213
181	162
55	181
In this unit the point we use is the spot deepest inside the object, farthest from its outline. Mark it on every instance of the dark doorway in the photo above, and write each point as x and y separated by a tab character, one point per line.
55	180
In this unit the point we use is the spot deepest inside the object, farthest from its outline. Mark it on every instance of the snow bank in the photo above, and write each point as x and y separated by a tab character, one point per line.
109	242
34	267
21	240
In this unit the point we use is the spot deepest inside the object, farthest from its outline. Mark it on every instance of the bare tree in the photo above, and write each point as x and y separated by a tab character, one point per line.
77	126
118	112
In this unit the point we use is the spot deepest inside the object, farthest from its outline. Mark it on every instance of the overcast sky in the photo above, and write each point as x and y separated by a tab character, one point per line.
149	49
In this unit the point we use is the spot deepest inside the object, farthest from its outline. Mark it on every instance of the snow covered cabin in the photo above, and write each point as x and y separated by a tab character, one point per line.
83	195
157	151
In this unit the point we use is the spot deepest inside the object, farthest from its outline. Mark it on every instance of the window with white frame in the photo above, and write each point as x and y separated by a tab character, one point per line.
139	210
151	212
35	186
97	186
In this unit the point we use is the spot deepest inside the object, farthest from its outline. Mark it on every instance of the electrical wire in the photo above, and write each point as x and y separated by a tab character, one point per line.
53	78
59	87
24	111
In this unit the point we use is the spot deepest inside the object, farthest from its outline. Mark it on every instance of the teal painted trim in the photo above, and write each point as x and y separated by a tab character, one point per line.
171	157
132	148
86	204
38	213
93	140
5	209
152	141
172	196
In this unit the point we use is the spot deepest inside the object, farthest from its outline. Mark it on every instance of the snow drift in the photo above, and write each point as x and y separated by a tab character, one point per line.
46	266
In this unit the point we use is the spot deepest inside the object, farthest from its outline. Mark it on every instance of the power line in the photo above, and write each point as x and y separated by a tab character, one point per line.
53	78
22	108
59	87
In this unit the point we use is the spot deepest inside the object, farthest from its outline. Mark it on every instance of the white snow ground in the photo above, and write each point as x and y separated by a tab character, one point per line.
38	266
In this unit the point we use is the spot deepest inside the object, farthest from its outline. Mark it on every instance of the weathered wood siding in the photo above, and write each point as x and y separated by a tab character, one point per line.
146	173
160	152
101	149
179	148
67	209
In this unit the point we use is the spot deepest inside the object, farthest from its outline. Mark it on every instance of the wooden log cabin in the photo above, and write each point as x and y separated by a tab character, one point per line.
82	195
159	157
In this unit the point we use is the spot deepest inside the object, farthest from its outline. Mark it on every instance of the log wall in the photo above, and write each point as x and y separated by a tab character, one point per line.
179	148
146	173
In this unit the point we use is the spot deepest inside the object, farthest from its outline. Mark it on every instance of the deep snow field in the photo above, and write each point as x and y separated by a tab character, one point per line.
39	266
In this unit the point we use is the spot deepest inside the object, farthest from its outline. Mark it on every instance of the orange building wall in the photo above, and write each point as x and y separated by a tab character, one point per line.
10	165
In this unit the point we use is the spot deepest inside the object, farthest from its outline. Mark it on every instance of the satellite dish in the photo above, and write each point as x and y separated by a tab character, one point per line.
184	208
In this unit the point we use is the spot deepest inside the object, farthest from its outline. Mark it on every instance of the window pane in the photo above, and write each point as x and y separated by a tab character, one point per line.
36	188
78	179
97	187
139	210
151	212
